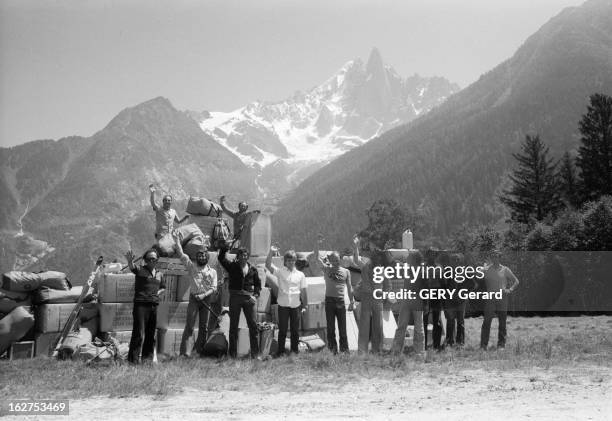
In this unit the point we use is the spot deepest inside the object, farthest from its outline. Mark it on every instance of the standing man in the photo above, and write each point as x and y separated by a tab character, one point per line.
370	308
165	216
411	308
240	219
337	284
291	298
202	286
244	289
434	306
148	286
497	276
454	308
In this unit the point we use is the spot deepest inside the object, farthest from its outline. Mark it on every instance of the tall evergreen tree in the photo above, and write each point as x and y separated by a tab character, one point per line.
535	191
568	181
595	153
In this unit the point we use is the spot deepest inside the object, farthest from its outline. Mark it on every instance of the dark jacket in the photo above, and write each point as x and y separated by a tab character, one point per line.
147	285
237	281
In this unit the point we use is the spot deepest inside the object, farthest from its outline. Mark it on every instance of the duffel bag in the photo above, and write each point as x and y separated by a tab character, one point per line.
187	232
20	281
203	206
54	280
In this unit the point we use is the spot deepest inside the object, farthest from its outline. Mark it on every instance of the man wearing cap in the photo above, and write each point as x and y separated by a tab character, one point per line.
165	216
202	286
497	277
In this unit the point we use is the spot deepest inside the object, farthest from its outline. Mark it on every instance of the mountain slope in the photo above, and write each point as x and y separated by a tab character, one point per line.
359	102
90	196
451	161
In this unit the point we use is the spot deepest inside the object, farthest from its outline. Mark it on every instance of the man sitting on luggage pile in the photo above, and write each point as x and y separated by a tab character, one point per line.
244	288
165	216
202	286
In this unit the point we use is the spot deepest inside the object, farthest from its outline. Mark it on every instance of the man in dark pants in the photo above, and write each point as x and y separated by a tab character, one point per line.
337	285
148	286
244	288
454	308
434	305
497	277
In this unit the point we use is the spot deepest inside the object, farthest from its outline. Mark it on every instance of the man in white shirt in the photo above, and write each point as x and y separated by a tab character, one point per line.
202	286
497	277
291	298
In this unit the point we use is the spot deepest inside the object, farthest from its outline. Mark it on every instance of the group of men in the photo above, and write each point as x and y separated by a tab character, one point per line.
244	285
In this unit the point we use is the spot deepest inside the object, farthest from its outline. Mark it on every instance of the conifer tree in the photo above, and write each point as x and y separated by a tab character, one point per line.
568	181
535	191
595	154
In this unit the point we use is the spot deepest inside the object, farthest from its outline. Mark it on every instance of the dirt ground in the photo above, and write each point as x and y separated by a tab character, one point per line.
583	393
574	382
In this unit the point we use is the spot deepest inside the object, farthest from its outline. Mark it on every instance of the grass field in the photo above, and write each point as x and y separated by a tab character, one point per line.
551	367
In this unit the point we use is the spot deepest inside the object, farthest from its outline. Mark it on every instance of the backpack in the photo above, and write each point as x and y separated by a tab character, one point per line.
221	232
216	345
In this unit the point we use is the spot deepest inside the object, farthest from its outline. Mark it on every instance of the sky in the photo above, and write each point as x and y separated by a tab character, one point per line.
67	67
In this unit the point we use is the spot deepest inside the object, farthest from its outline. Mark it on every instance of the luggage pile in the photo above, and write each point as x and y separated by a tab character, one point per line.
208	218
115	304
34	308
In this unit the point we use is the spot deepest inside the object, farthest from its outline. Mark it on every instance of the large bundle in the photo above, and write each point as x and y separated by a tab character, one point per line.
14	326
20	281
45	295
11	299
221	233
54	280
187	232
203	206
27	281
73	342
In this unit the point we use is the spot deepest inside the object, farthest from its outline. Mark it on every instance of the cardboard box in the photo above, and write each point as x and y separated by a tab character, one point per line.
169	294
21	350
119	288
315	289
53	317
117	316
42	342
172	315
259	318
264	301
169	341
116	288
171	266
182	288
257	236
124	336
314	317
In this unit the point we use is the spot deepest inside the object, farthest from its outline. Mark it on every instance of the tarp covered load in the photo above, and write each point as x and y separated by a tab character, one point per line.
11	299
26	281
15	326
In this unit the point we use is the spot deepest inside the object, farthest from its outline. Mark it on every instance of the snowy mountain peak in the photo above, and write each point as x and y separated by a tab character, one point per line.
360	101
